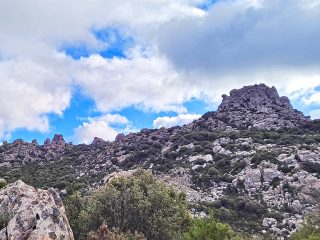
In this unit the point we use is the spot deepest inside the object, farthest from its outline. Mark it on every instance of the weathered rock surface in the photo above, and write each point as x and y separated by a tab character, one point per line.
33	214
257	106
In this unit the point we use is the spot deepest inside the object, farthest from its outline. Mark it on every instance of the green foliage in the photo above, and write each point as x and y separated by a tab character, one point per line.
264	156
5	217
79	210
310	230
243	214
137	203
104	233
60	174
3	183
311	167
210	229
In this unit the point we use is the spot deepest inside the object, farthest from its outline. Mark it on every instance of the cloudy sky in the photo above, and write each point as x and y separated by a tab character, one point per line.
96	68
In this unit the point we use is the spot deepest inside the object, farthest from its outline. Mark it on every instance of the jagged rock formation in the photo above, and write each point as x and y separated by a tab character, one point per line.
256	160
33	214
257	106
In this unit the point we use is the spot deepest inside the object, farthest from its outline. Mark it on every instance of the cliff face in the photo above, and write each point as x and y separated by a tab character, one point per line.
256	160
32	214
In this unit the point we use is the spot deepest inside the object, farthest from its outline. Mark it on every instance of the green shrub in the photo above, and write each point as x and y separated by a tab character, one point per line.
104	233
5	217
311	167
137	203
3	183
263	156
310	229
210	229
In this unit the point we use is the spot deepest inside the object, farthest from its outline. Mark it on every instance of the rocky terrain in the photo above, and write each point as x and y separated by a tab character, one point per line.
32	213
256	160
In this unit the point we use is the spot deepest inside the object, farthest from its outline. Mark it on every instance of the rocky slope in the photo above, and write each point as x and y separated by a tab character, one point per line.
256	160
29	213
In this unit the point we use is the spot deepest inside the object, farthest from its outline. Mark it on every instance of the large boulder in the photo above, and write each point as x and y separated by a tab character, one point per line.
32	214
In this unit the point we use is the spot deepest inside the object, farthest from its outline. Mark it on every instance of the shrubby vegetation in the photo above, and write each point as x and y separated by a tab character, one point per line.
243	214
139	207
310	229
135	204
3	183
205	229
58	174
5	217
104	233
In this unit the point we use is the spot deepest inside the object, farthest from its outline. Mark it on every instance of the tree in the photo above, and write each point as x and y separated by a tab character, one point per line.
137	203
143	204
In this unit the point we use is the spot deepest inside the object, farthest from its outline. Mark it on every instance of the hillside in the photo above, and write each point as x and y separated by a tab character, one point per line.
256	160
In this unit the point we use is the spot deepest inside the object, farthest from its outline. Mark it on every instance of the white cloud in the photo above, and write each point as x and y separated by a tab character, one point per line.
237	36
315	114
190	53
244	42
313	99
30	90
149	83
36	81
179	120
106	127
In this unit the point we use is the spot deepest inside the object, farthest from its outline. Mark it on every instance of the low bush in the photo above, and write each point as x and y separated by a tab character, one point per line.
210	229
3	183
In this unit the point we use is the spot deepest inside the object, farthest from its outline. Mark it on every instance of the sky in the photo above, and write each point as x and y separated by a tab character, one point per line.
98	68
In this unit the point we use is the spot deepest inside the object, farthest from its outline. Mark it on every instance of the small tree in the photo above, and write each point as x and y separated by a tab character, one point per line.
142	203
138	203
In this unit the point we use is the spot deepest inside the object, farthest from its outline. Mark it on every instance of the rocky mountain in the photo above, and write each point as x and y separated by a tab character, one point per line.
256	160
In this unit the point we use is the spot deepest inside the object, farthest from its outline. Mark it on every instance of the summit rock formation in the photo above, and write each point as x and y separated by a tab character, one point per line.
257	106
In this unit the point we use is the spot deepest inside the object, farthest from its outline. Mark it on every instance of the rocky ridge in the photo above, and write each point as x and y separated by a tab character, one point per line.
256	160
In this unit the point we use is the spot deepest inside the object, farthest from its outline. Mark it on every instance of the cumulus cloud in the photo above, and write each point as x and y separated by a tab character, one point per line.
237	35
35	80
106	127
149	83
30	90
179	120
186	52
243	42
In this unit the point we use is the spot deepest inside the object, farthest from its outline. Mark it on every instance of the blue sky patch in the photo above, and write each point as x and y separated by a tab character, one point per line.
207	4
115	45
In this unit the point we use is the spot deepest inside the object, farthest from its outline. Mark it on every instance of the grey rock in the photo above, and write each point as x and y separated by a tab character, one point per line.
33	213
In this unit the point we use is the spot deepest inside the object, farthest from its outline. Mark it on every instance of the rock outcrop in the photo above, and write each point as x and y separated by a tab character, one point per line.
257	106
32	214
